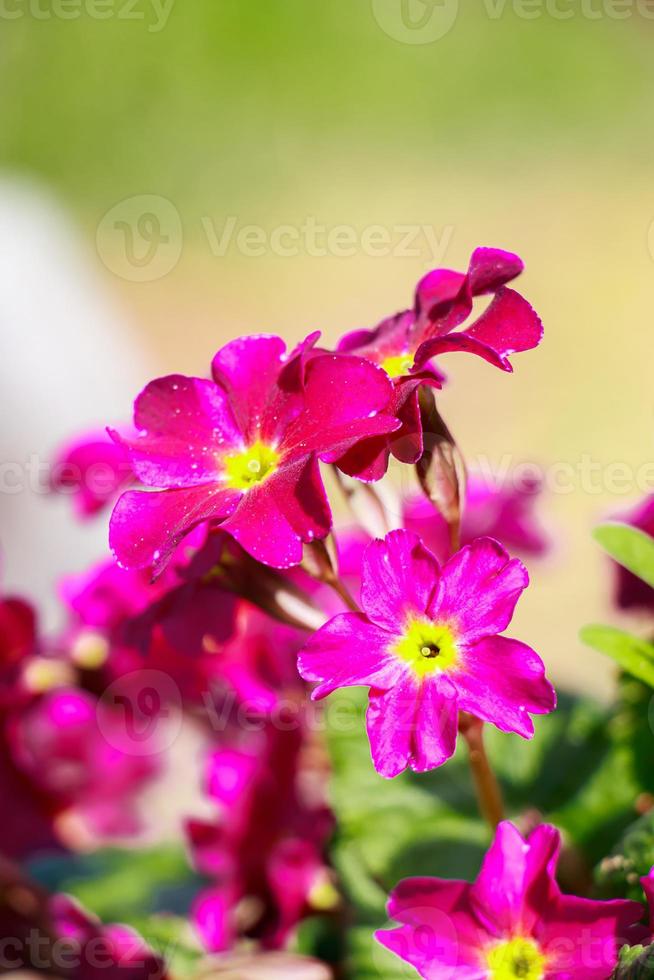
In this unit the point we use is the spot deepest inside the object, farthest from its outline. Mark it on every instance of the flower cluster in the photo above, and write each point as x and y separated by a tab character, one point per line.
231	602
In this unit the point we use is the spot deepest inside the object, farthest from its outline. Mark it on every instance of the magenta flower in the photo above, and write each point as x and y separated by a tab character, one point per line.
94	469
82	769
647	881
116	952
512	922
267	846
18	640
427	645
405	344
504	511
243	449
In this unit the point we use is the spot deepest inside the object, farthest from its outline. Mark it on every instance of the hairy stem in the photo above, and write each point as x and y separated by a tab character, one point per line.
487	787
342	590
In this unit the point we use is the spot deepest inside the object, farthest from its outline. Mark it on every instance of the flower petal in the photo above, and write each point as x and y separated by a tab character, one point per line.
509	325
516	879
368	459
491	268
348	651
183	424
345	399
412	899
440	936
478	589
502	681
249	370
582	937
455	342
212	915
145	528
399	576
390	721
94	468
277	516
436	724
647	881
356	338
444	298
435	952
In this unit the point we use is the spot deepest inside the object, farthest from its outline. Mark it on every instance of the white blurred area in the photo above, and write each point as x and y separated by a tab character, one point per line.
68	363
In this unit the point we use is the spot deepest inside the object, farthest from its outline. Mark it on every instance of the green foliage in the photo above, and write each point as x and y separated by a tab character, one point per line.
636	963
634	550
583	771
126	886
228	97
630	547
619	874
172	938
634	655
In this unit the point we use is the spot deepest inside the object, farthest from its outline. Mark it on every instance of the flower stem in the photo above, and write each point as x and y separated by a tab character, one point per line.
319	565
342	590
487	787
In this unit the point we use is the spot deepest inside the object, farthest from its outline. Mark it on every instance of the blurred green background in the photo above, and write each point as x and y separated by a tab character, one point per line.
221	101
519	126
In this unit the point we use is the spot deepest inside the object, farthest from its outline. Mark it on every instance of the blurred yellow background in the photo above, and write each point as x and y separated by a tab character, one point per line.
358	143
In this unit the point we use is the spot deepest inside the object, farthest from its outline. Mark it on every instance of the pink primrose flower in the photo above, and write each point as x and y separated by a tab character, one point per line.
243	449
427	644
405	344
512	923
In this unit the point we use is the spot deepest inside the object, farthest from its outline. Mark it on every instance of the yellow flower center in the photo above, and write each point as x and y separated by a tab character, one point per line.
253	465
427	647
397	365
518	958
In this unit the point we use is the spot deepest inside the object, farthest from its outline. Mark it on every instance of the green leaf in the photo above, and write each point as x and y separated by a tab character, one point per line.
630	547
634	655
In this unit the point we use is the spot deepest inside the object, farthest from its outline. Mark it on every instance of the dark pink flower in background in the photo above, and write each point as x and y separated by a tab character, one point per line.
630	591
243	449
512	922
405	344
427	645
504	511
18	641
267	843
116	952
93	469
84	768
